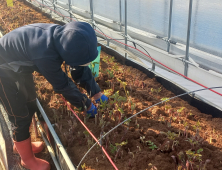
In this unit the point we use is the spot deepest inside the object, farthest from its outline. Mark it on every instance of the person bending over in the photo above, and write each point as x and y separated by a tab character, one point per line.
43	48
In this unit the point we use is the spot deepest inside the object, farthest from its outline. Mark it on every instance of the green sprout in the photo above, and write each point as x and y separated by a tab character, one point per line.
122	143
110	74
115	67
165	98
197	126
83	166
115	96
152	145
93	67
170	135
124	84
127	122
108	92
157	91
192	142
180	110
86	133
192	156
113	148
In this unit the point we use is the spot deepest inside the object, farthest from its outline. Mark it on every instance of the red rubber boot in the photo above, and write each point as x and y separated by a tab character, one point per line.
28	160
36	147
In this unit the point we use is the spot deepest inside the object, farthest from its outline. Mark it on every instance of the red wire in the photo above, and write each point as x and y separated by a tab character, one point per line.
146	55
135	49
132	48
161	63
110	160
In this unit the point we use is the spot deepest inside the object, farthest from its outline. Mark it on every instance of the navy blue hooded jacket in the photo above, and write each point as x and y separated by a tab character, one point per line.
44	47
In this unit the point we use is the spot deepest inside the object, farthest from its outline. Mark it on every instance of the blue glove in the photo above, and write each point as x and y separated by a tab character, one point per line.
103	98
92	111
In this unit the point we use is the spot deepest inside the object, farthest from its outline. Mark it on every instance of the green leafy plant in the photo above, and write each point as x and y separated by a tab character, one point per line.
170	135
119	146
127	122
93	64
115	97
192	155
192	142
180	110
197	126
152	145
124	84
83	166
108	92
108	60
110	74
113	148
165	98
190	159
86	133
115	67
157	91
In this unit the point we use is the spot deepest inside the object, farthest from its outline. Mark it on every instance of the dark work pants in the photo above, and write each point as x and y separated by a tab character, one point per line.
82	75
18	97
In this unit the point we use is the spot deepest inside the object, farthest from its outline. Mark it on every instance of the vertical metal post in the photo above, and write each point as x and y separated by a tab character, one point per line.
153	66
169	27
42	5
188	38
125	27
120	15
70	10
107	42
91	11
51	10
54	1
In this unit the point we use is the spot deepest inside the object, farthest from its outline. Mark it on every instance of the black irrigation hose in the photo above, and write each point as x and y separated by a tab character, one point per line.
190	92
140	46
101	31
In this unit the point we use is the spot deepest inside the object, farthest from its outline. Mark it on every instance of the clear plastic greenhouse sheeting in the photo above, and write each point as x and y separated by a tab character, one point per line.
109	9
82	4
156	48
153	16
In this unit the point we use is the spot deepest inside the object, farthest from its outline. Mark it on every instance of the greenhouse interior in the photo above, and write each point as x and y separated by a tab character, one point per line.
116	84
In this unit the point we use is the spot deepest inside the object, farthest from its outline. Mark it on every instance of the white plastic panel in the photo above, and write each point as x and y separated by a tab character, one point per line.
206	95
147	15
206	24
179	20
206	33
206	78
83	4
108	9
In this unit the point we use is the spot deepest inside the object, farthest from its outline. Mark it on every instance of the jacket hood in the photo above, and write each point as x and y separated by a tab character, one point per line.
76	43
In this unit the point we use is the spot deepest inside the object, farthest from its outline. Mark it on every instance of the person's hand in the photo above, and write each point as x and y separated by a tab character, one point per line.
92	111
103	98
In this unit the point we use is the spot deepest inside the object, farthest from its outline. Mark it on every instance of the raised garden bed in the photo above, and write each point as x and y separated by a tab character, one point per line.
172	135
152	139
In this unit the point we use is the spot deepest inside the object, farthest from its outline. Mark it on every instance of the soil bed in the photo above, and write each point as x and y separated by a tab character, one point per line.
174	129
